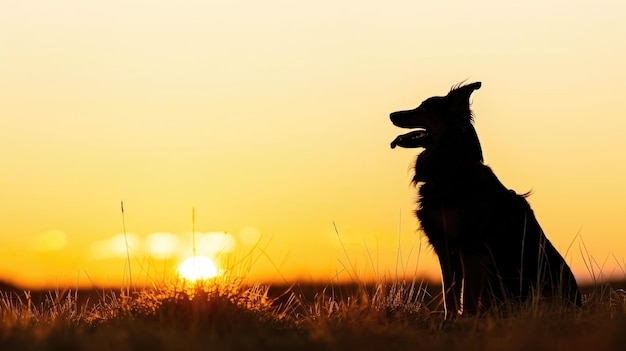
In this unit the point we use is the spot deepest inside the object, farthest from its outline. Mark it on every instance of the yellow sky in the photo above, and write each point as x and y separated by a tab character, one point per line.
270	118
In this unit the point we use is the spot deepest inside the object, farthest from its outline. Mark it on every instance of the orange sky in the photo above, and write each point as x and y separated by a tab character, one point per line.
271	120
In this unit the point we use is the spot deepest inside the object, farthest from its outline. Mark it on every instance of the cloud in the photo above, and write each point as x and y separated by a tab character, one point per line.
161	245
211	244
115	246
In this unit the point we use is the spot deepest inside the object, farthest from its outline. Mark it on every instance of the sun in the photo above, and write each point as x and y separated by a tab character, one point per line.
197	268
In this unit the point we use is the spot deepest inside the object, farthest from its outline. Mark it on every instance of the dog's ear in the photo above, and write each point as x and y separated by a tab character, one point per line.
459	96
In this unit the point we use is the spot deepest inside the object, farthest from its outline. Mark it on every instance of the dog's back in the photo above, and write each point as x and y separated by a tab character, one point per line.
489	243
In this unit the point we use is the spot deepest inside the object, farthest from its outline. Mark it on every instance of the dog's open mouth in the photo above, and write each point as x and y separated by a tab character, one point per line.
410	140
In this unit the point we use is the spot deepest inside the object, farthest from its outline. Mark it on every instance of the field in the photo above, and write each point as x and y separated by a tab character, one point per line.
229	314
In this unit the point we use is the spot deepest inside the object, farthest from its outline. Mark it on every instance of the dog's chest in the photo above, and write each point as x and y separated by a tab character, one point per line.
442	223
453	218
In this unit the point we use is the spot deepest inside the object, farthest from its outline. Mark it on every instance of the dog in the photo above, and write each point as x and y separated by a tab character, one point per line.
490	246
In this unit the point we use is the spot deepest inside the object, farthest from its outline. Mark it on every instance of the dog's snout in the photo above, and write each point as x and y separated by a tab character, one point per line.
402	119
393	116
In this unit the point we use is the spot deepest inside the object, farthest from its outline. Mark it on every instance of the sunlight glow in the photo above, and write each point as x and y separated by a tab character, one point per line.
244	149
161	245
214	243
197	268
115	246
249	236
50	240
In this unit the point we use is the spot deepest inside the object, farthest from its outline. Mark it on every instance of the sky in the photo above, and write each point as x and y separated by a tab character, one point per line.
257	133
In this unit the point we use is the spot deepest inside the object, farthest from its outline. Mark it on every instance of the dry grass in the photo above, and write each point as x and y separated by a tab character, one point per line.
228	313
232	315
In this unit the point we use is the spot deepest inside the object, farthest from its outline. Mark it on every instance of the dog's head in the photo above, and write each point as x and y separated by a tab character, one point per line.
437	120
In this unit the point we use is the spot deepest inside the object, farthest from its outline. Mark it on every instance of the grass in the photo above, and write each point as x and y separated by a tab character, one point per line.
228	314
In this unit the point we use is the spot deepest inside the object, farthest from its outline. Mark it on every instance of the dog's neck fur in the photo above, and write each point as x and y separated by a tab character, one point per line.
449	161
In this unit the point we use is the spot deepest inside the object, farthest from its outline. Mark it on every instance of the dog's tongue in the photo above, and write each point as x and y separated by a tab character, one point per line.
410	140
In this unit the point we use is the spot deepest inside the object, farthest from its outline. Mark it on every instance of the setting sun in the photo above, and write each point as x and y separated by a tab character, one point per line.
197	268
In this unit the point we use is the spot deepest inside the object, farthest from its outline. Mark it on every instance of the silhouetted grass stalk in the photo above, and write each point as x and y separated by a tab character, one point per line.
130	273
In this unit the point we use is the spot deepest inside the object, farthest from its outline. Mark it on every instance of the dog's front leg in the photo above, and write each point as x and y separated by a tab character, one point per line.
475	282
452	280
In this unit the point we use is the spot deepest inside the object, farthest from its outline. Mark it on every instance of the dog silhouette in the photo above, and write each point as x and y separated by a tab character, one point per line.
490	246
